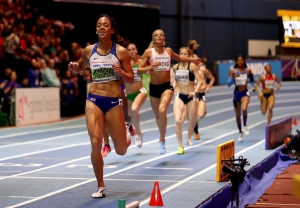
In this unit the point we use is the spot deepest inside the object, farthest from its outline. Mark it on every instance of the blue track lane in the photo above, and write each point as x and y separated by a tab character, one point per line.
49	165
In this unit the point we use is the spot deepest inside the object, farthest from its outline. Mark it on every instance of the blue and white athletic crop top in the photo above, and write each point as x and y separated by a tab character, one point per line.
101	65
242	79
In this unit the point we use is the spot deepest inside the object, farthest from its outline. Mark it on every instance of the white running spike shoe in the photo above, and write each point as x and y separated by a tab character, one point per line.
100	193
240	137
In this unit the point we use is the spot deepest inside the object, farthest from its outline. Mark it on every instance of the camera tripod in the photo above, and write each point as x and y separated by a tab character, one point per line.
235	169
234	191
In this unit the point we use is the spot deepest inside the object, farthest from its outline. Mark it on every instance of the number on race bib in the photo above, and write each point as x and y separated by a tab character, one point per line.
125	93
120	101
143	90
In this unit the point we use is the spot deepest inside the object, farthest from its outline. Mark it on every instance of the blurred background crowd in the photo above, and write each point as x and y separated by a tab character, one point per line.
35	52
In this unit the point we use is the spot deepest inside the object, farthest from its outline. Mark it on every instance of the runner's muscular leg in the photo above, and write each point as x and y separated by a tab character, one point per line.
95	122
178	109
271	102
165	101
201	108
115	126
135	108
192	114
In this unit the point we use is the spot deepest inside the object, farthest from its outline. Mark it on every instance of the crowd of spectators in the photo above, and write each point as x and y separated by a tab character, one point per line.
34	53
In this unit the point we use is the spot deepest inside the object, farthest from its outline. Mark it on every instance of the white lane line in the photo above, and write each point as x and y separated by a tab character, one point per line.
222	111
50	194
147	175
45	124
119	171
113	179
149	180
141	111
44	140
199	173
230	91
43	151
251	104
168	137
148	109
41	131
232	119
3	171
230	99
25	197
50	178
48	158
148	121
157	168
61	173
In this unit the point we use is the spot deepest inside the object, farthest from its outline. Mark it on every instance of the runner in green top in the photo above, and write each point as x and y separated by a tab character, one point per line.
136	94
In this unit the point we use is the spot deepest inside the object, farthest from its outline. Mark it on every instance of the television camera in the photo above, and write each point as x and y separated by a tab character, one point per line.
235	169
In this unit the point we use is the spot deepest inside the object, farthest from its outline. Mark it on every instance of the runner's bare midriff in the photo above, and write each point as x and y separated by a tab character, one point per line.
132	88
107	89
159	77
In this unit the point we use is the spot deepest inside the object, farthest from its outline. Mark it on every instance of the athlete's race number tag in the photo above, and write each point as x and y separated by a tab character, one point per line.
102	72
241	80
164	63
125	93
120	101
182	76
137	78
143	90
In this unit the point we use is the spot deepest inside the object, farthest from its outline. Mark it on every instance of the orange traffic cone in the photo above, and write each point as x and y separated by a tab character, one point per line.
156	199
295	122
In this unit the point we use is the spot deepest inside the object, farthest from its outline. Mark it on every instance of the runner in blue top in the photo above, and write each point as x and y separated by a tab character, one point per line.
109	62
239	75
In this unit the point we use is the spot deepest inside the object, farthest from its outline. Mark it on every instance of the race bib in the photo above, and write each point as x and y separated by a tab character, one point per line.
269	84
241	80
137	78
143	90
182	75
164	63
103	72
120	101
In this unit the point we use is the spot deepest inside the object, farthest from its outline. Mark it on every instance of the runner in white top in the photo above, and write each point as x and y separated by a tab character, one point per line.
161	90
186	95
204	73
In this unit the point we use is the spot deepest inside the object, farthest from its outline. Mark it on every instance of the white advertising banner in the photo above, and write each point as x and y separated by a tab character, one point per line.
37	105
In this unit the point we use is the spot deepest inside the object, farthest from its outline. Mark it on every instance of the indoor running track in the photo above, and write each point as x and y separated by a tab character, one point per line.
49	165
